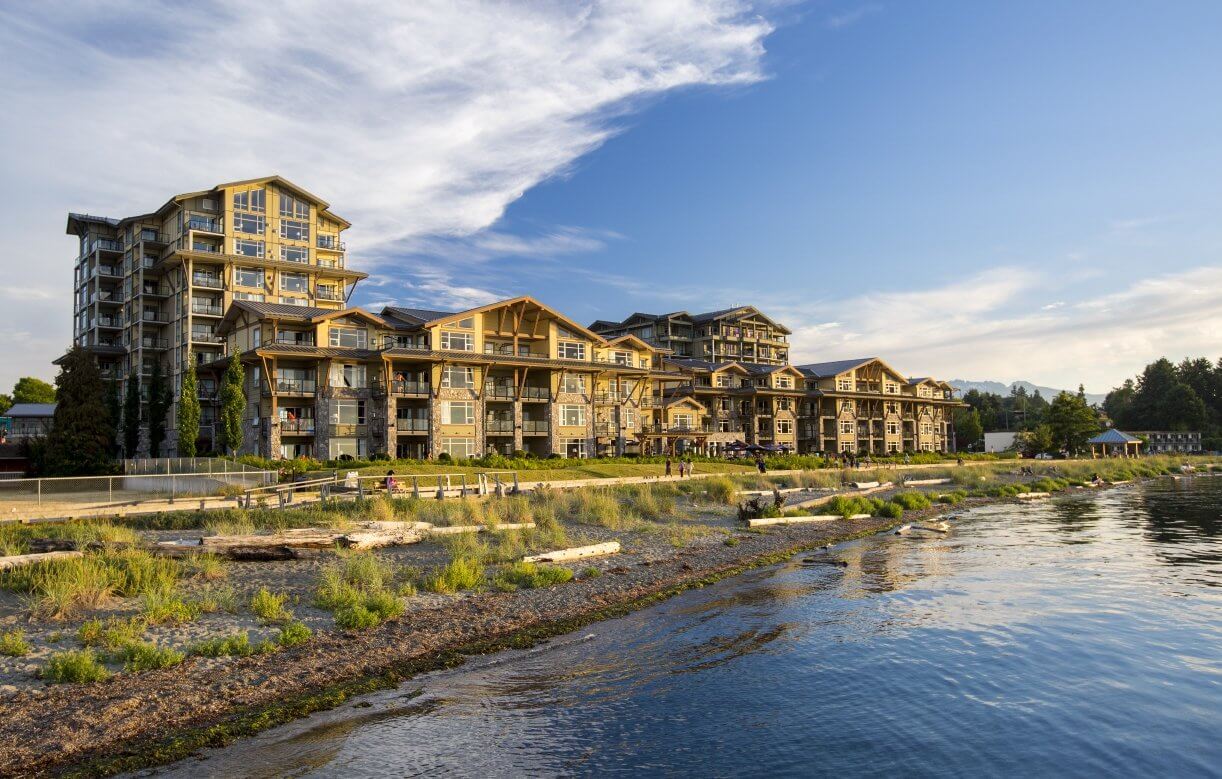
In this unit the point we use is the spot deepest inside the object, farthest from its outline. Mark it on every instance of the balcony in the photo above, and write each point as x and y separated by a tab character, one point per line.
330	243
534	426
499	392
154	291
416	389
207	391
154	316
328	293
110	321
676	429
294	387
411	425
107	245
154	343
205	225
498	426
536	393
324	262
609	398
296	427
149	236
206	337
652	401
295	339
206	309
207	280
357	429
204	247
110	270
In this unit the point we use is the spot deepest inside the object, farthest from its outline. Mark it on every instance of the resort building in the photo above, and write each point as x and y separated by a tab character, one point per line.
733	334
257	269
1171	441
155	287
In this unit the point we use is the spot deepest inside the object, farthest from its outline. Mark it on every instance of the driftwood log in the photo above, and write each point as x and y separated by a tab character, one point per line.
16	561
575	553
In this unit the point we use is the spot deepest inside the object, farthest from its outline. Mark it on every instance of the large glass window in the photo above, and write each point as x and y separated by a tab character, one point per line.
348	375
784	426
571	350
573	382
294	230
351	337
348	412
353	447
294	207
294	254
248	277
295	282
572	415
457	342
459	448
574	448
252	200
254	297
458	377
249	223
458	412
247	248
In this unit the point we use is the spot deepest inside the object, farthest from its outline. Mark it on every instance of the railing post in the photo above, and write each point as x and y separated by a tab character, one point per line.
516	489
40	492
462	488
172	488
441	493
416	487
110	489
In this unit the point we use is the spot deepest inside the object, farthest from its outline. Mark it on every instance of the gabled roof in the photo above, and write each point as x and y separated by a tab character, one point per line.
283	311
416	316
428	318
709	316
685	399
1114	436
705	365
77	222
30	410
823	370
633	340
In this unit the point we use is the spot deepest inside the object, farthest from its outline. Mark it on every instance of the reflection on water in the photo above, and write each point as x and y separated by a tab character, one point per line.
1079	636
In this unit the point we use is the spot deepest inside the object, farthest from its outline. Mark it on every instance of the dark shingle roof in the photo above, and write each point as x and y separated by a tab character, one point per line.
824	369
418	314
30	410
708	315
282	310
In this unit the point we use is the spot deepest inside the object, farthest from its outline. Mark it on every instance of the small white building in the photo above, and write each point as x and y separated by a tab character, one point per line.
999	441
28	420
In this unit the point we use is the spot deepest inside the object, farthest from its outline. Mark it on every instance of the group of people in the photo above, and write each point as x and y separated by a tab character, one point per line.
685	467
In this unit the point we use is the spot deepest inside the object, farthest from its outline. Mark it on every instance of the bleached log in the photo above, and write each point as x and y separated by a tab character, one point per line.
452	530
304	539
921	482
1032	495
575	553
17	561
792	520
1118	483
863	485
785	491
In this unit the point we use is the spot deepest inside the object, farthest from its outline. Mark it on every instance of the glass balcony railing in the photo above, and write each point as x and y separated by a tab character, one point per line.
411	425
294	386
206	280
205	225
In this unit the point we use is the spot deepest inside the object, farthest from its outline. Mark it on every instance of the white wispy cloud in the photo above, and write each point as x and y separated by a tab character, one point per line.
987	327
419	121
848	18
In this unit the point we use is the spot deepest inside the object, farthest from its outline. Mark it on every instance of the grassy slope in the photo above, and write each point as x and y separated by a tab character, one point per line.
591	469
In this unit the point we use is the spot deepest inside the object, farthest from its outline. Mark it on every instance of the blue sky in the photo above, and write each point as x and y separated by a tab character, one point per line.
971	190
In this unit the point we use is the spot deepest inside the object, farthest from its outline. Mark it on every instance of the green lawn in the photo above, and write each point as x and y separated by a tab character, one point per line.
591	469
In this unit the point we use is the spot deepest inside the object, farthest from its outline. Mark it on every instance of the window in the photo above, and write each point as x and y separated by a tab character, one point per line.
572	415
846	427
784	426
571	350
891	388
573	382
255	224
465	324
256	335
458	412
294	254
621	358
353	447
247	248
682	421
294	230
288	301
893	407
458	377
574	448
782	404
348	375
294	207
255	297
627	416
300	337
784	382
893	447
459	448
457	342
348	412
294	282
846	446
248	277
349	337
846	405
893	428
252	200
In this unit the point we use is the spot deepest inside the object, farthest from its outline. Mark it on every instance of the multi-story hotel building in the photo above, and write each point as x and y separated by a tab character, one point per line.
256	269
155	287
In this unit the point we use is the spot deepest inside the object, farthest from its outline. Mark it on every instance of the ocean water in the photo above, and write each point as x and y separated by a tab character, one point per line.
1076	637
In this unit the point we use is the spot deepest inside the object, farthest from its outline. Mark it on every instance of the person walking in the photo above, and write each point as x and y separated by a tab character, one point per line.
668	465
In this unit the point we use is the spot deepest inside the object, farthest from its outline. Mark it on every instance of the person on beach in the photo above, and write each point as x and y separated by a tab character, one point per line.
390	482
680	467
761	465
668	465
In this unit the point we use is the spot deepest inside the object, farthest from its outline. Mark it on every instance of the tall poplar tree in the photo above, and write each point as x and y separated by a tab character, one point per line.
233	405
131	416
188	411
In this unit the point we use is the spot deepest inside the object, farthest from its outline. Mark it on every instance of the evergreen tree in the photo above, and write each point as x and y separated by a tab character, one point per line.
1038	440
188	411
6	402
79	443
114	407
160	400
31	390
233	406
1072	422
131	416
968	430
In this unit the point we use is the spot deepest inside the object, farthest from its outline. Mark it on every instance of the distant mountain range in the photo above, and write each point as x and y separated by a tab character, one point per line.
997	388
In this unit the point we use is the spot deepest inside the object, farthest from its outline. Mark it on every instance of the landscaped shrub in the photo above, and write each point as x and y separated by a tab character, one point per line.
13	644
74	666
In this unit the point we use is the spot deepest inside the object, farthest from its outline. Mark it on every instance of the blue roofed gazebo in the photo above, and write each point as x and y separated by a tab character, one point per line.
1115	443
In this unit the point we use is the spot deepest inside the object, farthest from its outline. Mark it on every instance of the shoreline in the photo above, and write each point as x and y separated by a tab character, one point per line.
158	717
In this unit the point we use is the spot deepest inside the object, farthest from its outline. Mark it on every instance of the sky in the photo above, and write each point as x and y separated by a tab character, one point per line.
986	191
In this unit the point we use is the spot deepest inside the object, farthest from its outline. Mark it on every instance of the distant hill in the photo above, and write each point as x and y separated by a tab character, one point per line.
997	388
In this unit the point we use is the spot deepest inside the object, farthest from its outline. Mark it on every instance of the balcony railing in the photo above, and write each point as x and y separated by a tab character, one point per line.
110	321
536	393
154	343
206	391
499	392
498	426
324	262
206	280
348	429
677	429
109	270
307	340
411	425
107	245
297	426
205	337
652	401
207	248
609	397
328	293
414	388
330	242
209	309
294	386
154	316
534	425
205	225
149	236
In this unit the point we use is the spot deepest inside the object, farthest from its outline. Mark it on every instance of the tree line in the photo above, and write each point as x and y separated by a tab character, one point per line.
93	427
1166	396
